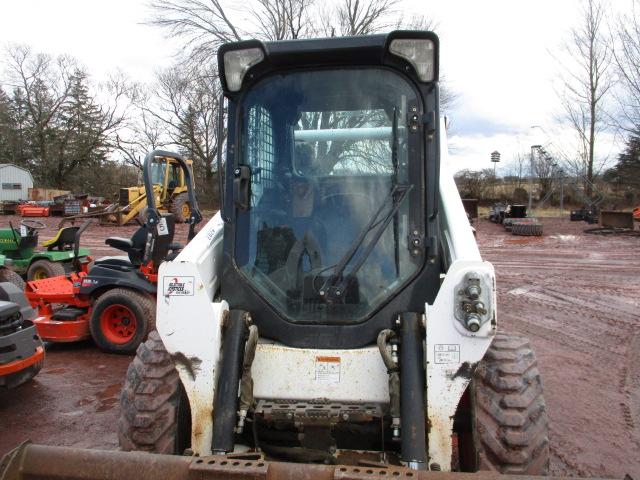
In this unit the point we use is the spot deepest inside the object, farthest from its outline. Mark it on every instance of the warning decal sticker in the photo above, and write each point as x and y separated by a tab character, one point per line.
328	369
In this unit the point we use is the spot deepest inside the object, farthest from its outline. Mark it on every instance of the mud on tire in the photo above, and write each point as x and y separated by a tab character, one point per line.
10	276
177	207
508	414
154	411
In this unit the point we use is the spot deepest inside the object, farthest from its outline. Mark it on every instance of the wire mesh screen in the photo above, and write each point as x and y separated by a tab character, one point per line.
260	148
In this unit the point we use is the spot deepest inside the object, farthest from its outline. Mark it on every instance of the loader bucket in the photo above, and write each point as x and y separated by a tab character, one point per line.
616	219
30	462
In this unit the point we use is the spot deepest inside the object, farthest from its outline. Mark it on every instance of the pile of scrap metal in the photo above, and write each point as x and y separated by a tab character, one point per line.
514	219
61	206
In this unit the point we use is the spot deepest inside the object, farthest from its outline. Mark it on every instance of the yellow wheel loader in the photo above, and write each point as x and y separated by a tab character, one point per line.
335	319
169	189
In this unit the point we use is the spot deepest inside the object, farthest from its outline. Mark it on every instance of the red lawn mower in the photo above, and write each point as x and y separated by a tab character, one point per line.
113	300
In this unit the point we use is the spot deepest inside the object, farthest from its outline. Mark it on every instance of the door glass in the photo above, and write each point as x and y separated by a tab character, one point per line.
326	236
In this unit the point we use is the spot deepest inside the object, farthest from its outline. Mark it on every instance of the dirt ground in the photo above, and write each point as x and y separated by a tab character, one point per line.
575	295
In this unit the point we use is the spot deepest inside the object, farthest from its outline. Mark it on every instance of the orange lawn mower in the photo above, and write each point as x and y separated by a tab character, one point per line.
113	300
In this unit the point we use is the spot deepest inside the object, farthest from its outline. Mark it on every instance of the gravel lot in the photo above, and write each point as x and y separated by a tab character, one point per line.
575	295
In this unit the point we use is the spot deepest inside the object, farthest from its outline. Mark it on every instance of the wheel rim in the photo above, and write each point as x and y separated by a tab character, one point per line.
40	274
118	324
186	211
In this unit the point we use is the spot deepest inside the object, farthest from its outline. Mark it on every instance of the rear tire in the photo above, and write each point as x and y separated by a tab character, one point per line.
41	269
180	207
154	410
112	317
10	276
509	425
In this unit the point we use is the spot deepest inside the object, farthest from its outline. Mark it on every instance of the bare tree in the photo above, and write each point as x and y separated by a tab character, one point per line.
627	62
66	127
185	106
586	80
283	19
516	169
204	24
361	17
142	131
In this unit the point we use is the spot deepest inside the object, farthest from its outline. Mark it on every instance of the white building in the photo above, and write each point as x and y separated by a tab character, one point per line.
15	182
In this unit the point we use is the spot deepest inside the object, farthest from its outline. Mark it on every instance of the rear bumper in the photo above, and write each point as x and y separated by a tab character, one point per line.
63	331
19	365
21	357
18	347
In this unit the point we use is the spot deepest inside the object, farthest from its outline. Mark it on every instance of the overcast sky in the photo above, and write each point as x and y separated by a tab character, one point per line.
495	54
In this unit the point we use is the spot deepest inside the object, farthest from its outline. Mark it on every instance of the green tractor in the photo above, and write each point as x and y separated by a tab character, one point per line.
18	251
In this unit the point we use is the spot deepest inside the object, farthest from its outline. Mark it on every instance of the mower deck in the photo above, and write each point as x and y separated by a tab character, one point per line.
63	312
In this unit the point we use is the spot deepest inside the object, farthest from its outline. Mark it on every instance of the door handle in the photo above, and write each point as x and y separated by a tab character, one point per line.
242	187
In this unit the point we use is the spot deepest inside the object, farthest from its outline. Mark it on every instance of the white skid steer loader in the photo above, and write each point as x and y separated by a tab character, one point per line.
335	318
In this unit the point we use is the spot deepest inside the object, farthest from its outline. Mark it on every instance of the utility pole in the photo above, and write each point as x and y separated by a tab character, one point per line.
561	193
495	158
531	169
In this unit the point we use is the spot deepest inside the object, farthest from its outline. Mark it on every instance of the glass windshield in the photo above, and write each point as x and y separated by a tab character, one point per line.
157	172
326	236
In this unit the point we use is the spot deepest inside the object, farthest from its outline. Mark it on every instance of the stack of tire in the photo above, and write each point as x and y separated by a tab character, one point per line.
526	227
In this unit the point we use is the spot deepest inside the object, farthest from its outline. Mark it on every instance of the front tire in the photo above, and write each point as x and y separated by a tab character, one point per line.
41	269
509	425
154	410
121	319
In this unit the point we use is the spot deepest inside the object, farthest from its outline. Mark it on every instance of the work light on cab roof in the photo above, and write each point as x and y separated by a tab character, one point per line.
418	52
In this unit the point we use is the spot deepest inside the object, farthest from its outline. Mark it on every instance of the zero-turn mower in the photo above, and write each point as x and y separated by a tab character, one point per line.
19	248
21	349
113	299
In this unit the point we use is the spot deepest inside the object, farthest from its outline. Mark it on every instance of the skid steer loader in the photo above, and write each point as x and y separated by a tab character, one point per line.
335	318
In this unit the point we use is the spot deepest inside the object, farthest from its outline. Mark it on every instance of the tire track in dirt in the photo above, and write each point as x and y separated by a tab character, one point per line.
578	300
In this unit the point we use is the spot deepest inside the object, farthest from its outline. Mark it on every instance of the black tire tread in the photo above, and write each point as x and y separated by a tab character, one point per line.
176	206
527	229
7	275
149	400
144	301
53	269
510	425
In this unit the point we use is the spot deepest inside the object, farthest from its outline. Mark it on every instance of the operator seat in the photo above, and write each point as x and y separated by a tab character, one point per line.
135	246
64	239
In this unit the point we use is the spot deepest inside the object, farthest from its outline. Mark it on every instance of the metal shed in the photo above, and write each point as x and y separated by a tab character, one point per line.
15	182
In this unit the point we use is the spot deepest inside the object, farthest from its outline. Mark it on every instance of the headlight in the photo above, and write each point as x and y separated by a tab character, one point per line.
237	63
419	52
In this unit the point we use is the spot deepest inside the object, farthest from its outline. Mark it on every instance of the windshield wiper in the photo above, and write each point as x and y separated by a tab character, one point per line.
334	288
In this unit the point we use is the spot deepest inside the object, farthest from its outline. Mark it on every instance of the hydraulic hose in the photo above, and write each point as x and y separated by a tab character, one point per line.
412	392
246	383
226	395
394	379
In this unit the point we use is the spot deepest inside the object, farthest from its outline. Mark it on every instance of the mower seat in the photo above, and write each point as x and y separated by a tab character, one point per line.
64	239
124	244
118	261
